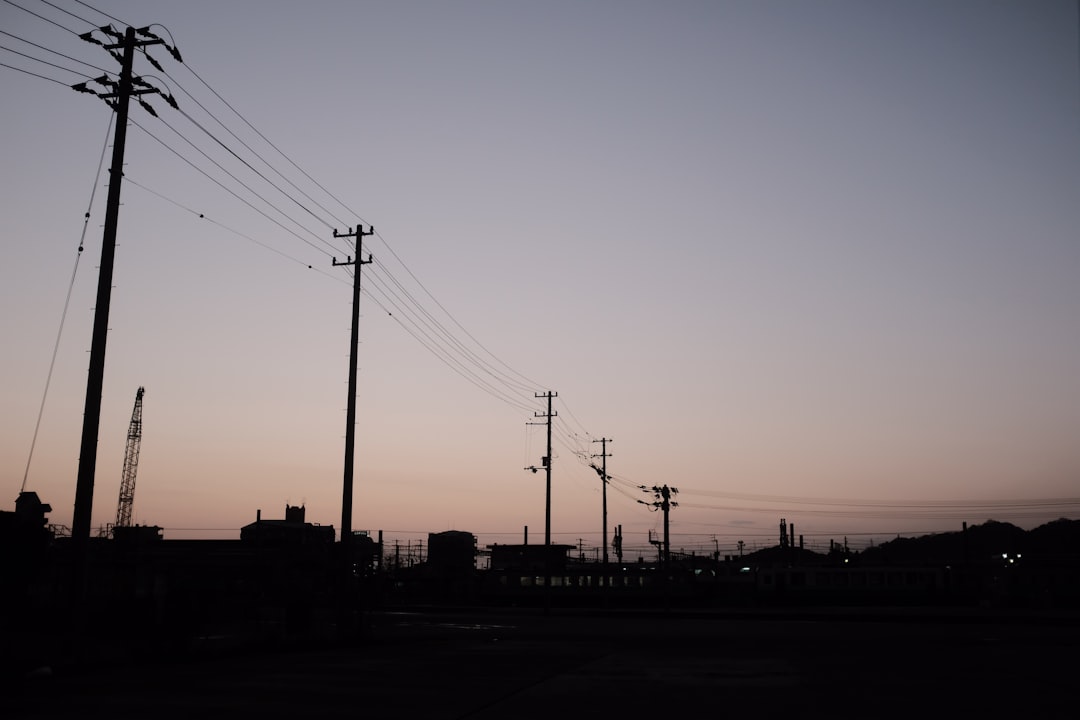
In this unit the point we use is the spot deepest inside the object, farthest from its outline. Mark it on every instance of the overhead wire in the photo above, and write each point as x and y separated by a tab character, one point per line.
41	17
228	190
45	62
55	52
202	127
253	152
66	12
319	237
954	513
430	340
419	325
67	304
202	216
438	327
457	347
528	383
887	504
34	74
496	378
102	12
437	339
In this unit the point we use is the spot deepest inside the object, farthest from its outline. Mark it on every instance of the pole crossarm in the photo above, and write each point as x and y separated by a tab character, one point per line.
116	88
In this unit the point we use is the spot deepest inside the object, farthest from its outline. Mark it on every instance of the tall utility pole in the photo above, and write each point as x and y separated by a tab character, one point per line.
350	420
547	493
662	501
547	466
345	601
84	484
604	455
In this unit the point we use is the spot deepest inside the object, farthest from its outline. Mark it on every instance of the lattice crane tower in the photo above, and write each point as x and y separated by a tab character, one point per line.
131	464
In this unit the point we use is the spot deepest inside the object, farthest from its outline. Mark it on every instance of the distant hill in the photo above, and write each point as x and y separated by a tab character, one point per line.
1056	540
980	543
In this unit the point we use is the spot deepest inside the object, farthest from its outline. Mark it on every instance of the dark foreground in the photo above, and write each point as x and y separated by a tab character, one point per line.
566	664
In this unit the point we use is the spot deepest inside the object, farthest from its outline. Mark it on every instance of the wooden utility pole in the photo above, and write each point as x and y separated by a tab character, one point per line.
345	606
604	455
547	492
547	466
350	419
84	483
662	501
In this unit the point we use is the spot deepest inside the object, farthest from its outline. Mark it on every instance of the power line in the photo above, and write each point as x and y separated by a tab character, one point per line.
67	12
433	346
45	62
41	17
441	330
34	74
927	504
531	383
55	52
432	333
67	303
255	153
246	186
261	244
101	12
265	139
231	192
439	336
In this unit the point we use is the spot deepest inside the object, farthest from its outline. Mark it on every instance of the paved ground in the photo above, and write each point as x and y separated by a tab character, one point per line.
526	664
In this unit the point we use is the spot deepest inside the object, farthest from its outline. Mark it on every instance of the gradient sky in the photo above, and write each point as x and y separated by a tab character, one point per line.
803	260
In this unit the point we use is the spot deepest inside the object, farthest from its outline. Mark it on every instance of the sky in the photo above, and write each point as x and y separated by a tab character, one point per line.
803	260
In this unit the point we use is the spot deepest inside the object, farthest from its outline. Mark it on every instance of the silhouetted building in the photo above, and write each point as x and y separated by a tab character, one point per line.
137	534
530	559
452	551
293	530
366	552
29	510
27	526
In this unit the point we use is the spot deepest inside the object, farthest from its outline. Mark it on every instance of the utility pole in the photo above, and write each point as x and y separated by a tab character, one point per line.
119	100
350	420
662	501
604	482
547	493
345	611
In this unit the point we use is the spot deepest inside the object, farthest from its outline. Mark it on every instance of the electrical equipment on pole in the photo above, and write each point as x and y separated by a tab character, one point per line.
131	464
662	501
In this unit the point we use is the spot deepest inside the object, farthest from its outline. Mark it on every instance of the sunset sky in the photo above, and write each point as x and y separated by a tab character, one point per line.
810	260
